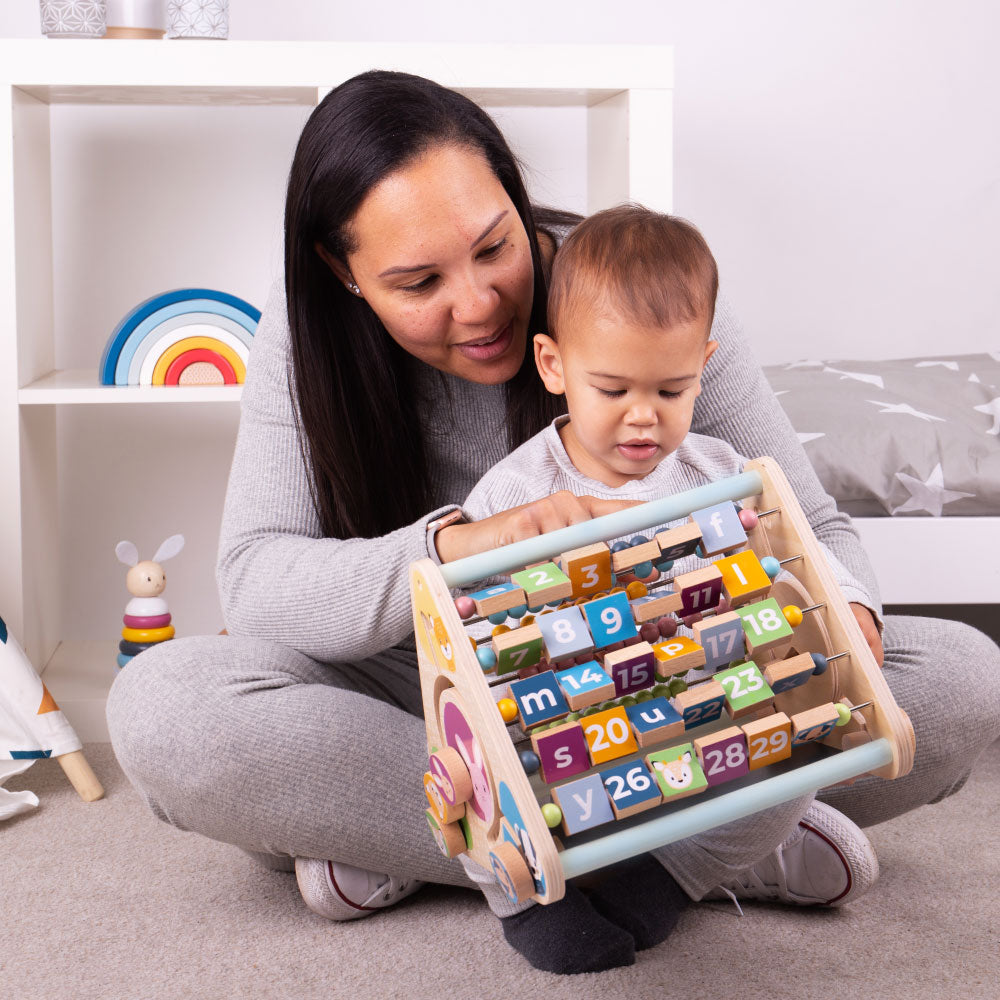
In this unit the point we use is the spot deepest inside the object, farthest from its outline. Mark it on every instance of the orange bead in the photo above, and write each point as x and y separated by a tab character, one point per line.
793	615
500	629
508	709
635	590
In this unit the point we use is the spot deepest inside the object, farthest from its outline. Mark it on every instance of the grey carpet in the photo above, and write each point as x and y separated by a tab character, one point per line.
101	901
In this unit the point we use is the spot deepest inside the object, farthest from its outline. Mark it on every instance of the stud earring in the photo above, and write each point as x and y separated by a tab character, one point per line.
353	289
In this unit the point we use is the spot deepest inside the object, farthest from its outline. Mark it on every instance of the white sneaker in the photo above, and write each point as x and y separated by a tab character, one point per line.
827	861
342	892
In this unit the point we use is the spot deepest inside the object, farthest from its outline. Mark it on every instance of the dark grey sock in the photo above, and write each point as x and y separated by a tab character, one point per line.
568	936
641	897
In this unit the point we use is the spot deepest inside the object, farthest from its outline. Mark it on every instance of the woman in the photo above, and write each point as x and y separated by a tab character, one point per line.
387	375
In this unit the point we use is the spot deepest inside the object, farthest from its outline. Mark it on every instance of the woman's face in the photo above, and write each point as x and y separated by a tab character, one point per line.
442	257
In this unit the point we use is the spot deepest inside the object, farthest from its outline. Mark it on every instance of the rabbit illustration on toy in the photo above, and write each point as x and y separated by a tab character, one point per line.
147	617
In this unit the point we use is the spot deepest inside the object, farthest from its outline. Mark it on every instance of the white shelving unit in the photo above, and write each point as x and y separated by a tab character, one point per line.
624	94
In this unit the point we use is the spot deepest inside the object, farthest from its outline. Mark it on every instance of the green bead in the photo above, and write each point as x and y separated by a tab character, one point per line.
552	815
607	705
644	695
628	701
661	691
573	717
677	686
592	710
843	715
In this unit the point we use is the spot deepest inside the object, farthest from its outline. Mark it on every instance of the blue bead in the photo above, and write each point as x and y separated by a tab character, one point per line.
638	540
498	617
487	658
699	553
620	546
535	611
664	565
643	569
614	579
529	761
819	663
519	612
770	566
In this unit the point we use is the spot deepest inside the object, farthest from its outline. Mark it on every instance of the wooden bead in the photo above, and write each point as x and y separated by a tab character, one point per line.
146	621
508	709
465	606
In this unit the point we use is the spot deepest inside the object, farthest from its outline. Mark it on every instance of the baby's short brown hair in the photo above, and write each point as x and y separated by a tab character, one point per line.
655	269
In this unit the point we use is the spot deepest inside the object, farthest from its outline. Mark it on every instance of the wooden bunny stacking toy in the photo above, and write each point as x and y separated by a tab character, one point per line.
147	617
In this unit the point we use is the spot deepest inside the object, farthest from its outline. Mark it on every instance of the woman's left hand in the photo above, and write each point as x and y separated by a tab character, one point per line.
870	631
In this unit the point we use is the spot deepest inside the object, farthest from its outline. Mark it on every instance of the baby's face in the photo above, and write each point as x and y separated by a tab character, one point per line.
630	390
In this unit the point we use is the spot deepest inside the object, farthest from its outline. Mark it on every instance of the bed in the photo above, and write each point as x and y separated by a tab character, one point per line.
910	448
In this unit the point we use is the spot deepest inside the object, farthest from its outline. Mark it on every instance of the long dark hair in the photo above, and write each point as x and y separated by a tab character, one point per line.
357	417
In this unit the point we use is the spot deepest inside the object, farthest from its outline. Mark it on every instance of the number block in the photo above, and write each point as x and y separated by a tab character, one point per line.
765	628
625	559
630	788
564	633
520	647
721	528
584	804
677	772
610	619
746	690
700	590
588	569
721	636
585	684
543	584
723	755
743	578
609	735
783	675
562	751
539	699
632	668
677	655
768	740
813	724
654	606
502	597
676	543
654	721
701	703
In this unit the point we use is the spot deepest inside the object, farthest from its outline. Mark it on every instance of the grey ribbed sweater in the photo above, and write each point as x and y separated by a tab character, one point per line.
345	599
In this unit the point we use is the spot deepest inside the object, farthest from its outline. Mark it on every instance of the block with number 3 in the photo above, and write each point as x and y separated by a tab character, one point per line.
588	569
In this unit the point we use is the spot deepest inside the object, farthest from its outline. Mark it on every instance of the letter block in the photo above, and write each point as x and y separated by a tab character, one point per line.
783	675
768	740
654	721
584	803
721	636
723	755
585	684
630	788
588	569
632	668
654	606
564	633
625	559
721	528
813	724
609	735
677	655
700	590
701	703
543	584
676	543
610	619
539	699
743	578
677	772
562	751
746	690
502	597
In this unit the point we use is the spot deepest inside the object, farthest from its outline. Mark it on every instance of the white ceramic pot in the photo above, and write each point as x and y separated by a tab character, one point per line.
73	18
198	18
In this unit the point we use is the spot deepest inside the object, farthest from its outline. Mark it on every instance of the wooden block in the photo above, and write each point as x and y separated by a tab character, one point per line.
676	655
768	740
609	735
543	584
746	690
721	528
630	788
743	578
625	559
701	703
632	668
445	811
562	751
723	755
585	684
565	633
765	628
654	606
501	597
450	837
588	569
721	636
584	804
700	590
676	543
654	721
814	724
610	619
452	776
783	675
520	647
677	772
539	699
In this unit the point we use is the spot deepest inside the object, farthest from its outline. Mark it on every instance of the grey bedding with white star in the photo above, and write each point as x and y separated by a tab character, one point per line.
908	437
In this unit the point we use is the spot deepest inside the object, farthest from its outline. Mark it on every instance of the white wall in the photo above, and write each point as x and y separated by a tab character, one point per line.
841	157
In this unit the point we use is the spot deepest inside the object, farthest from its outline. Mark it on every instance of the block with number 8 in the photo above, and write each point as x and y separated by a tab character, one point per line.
564	633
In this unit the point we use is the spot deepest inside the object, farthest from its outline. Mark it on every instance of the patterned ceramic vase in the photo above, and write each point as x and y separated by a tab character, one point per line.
73	18
198	18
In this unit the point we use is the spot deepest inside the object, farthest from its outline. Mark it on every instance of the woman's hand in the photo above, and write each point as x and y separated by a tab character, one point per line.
870	631
556	511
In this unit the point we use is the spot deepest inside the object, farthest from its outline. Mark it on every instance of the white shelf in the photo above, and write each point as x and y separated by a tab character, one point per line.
80	385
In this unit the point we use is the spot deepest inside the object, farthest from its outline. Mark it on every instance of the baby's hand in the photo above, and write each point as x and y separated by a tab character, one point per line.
556	511
870	631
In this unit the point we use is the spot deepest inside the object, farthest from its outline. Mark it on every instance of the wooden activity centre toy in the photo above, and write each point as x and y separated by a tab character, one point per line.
618	705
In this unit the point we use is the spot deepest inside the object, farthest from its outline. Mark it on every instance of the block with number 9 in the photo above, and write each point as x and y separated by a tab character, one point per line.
610	619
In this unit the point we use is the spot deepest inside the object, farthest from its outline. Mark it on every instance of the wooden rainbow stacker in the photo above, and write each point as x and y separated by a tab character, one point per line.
568	739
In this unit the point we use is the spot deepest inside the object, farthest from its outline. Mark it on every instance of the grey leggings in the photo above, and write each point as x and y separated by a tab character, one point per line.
257	745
